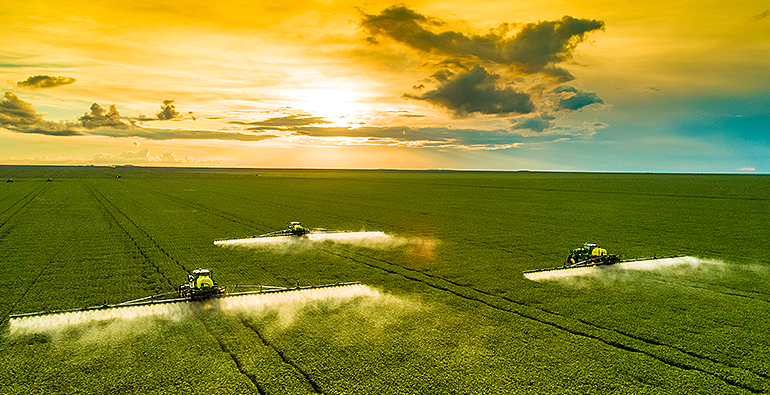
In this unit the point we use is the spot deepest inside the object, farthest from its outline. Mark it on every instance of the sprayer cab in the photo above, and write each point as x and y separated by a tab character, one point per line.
296	229
591	254
200	285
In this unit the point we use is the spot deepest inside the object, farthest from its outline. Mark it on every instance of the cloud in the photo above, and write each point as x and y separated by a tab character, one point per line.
408	27
20	116
99	117
45	81
538	46
585	130
488	74
532	125
168	111
143	155
475	91
761	16
534	48
443	137
134	157
573	99
283	122
175	134
16	111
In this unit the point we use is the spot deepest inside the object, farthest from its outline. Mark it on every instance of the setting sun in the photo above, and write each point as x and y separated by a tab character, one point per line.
340	107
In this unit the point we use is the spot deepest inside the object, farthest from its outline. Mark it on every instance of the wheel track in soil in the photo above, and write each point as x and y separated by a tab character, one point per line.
700	285
34	194
551	319
227	217
217	213
235	218
509	251
735	292
104	202
58	250
284	358
604	192
541	315
242	221
222	344
233	356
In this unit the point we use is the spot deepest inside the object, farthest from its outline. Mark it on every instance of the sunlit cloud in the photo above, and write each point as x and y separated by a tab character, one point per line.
464	84
45	81
168	111
20	116
99	117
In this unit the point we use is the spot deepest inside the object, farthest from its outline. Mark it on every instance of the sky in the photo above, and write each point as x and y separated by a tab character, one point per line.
607	86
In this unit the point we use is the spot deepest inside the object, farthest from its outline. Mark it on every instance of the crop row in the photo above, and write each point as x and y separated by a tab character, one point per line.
727	377
459	317
263	377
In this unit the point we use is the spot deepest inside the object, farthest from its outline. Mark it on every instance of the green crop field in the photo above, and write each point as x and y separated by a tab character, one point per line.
449	312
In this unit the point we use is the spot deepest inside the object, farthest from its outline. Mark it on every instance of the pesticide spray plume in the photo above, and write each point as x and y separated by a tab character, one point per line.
421	247
351	237
125	320
63	321
337	237
642	264
262	301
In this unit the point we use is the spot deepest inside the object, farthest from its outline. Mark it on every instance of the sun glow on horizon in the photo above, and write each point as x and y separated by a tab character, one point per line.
341	107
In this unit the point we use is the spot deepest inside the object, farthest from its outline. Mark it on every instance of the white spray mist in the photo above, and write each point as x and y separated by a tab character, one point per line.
647	264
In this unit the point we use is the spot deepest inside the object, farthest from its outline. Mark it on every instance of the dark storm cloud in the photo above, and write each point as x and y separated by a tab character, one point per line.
476	91
98	117
45	81
573	99
168	111
535	48
19	116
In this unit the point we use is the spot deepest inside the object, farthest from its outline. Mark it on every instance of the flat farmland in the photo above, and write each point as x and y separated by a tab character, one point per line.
450	313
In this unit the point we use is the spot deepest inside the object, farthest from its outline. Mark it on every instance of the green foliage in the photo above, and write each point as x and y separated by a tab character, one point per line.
454	315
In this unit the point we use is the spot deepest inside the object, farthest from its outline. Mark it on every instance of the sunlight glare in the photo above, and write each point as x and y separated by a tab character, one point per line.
338	106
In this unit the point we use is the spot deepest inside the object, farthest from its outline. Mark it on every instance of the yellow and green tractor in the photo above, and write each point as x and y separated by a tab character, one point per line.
200	285
590	255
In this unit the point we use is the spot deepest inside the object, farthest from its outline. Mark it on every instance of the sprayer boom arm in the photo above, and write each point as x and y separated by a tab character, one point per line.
611	260
166	298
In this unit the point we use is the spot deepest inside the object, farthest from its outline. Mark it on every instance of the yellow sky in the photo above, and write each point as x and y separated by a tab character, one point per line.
252	61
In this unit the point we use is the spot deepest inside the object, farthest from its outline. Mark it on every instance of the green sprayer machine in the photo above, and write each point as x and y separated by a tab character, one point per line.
588	256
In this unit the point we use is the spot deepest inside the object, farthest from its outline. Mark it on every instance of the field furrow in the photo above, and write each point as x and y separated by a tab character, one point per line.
150	250
140	237
674	356
446	308
648	342
15	206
